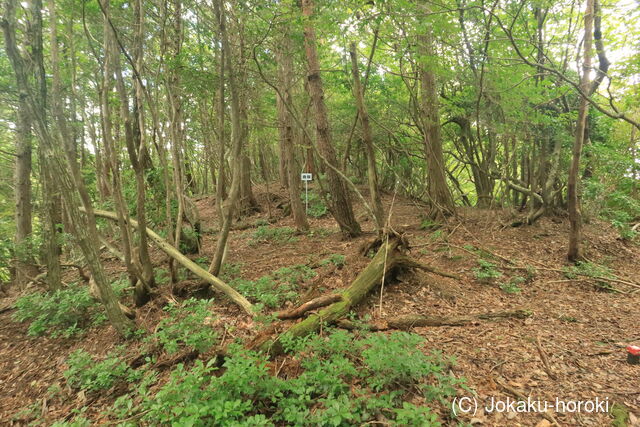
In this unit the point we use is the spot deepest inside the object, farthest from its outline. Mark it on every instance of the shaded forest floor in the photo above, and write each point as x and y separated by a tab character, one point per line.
581	328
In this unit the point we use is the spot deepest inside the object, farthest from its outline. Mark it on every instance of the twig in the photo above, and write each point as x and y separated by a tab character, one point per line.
388	227
519	395
545	360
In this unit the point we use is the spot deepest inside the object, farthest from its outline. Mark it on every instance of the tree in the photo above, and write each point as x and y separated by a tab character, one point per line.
439	194
340	201
573	196
372	174
287	133
65	176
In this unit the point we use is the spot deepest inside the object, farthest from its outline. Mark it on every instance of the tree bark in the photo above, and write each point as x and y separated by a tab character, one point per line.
339	198
437	188
22	182
62	172
236	137
573	196
372	174
285	77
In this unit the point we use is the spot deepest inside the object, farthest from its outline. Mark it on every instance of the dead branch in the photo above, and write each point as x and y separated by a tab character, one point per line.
411	263
544	359
321	301
409	321
167	248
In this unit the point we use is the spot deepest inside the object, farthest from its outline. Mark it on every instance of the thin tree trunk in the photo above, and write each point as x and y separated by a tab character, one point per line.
372	174
51	196
339	198
111	152
285	77
236	138
221	191
573	196
174	45
68	182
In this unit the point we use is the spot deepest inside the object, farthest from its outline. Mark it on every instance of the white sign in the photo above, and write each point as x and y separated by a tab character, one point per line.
306	177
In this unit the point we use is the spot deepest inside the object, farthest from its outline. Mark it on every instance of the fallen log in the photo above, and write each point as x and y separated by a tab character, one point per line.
167	248
388	258
415	321
408	321
322	301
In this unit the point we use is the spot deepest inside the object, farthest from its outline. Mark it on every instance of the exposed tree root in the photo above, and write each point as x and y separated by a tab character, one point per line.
94	291
167	248
388	258
319	302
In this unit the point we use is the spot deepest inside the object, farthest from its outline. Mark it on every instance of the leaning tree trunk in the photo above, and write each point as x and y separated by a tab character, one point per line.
64	175
174	253
573	197
340	201
386	259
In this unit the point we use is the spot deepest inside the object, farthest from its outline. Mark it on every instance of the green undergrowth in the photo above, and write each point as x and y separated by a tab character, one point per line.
65	312
599	273
187	326
277	235
486	272
338	260
276	288
316	207
338	379
87	373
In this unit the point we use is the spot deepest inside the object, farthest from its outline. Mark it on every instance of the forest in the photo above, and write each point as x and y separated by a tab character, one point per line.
320	213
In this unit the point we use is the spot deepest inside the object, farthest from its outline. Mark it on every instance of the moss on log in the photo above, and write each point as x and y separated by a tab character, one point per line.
386	259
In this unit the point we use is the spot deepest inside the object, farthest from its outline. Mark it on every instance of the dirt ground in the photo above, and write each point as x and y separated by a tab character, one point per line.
580	329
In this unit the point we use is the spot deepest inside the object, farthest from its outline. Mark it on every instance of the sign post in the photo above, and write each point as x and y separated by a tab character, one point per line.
306	177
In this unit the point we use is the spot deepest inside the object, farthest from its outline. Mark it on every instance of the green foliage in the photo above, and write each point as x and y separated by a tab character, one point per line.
428	224
86	373
274	289
487	271
317	208
76	422
336	259
230	270
588	269
343	381
618	206
278	235
592	270
161	276
65	312
188	325
513	285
